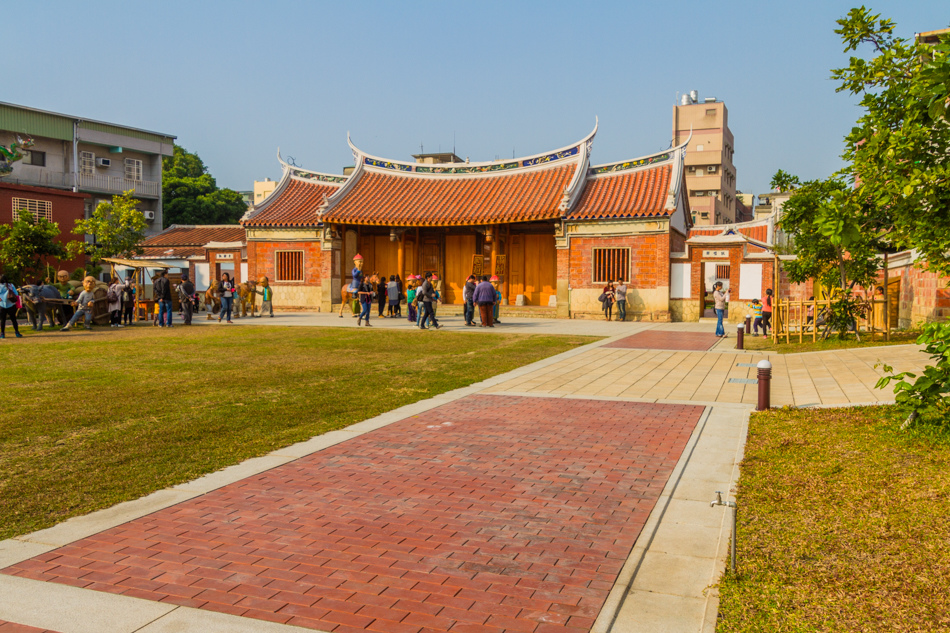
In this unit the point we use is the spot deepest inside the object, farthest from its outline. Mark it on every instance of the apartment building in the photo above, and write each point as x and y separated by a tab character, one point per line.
710	173
88	156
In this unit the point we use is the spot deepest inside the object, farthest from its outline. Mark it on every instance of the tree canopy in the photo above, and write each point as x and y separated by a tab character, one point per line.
893	193
118	227
191	195
25	244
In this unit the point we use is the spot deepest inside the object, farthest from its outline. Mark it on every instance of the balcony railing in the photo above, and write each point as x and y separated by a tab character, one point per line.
87	182
115	184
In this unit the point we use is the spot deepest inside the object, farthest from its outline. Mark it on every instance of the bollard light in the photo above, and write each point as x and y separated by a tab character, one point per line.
748	324
765	385
740	339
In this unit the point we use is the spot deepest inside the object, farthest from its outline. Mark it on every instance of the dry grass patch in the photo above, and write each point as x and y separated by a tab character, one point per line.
90	420
843	525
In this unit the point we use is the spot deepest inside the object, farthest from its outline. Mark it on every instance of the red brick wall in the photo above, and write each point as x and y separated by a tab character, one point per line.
261	261
649	259
677	242
67	207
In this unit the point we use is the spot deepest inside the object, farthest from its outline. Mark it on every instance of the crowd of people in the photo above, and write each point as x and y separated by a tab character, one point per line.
423	298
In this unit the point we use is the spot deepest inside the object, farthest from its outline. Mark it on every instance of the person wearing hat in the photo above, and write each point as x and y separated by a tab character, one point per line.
411	299
186	296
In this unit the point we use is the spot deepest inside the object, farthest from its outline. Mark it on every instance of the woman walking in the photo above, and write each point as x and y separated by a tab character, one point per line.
381	295
719	296
115	302
9	298
366	302
226	292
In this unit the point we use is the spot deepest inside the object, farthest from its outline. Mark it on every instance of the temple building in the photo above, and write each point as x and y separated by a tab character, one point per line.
552	226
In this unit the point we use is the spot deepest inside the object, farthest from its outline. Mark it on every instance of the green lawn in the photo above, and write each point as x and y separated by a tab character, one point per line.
794	347
844	525
92	419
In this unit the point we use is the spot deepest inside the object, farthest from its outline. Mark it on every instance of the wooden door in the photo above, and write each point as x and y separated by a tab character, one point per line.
893	302
539	269
459	250
515	268
385	256
431	257
409	260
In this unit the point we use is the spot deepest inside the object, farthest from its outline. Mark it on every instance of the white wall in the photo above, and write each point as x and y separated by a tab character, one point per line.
680	280
202	276
750	281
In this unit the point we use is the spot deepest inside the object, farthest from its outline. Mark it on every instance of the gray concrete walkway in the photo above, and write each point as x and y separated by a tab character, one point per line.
665	583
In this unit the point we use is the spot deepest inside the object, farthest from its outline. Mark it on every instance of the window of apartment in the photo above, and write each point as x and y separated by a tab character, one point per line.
34	157
133	169
722	271
289	265
87	163
35	208
611	264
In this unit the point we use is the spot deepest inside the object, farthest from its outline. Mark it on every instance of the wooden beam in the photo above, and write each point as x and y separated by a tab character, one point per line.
401	256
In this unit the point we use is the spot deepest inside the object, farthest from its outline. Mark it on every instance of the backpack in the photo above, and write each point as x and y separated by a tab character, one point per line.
112	296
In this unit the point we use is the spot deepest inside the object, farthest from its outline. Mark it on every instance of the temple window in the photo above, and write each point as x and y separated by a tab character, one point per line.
611	264
288	265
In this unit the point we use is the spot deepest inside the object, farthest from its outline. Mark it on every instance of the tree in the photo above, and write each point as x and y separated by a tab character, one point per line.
118	228
25	245
783	181
898	156
191	195
899	149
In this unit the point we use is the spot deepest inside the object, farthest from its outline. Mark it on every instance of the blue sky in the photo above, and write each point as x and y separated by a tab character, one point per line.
235	80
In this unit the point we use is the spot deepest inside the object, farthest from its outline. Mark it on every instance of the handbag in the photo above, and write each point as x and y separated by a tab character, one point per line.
602	297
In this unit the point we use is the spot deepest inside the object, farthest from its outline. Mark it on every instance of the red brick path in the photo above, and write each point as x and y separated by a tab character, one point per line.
655	339
488	514
11	627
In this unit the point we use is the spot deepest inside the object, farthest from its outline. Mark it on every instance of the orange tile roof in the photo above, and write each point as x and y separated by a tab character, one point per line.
759	232
395	199
294	205
179	252
197	235
625	194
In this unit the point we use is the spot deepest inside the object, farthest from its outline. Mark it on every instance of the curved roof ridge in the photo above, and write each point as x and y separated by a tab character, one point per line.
473	168
635	163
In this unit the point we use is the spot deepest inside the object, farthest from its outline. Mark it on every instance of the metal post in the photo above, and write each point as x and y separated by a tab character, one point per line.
748	324
740	336
765	385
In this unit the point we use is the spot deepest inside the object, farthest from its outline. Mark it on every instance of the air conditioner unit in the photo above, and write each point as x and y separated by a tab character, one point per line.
149	215
103	162
711	169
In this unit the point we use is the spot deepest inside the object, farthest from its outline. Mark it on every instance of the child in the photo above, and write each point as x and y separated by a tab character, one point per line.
495	282
756	307
411	301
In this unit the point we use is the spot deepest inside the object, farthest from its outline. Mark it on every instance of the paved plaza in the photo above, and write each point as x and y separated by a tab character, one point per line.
569	495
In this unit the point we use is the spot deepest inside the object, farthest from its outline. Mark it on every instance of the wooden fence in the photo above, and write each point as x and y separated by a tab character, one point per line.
805	320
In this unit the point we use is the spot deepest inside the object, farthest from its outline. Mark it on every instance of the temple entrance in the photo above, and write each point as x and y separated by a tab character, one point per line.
380	255
459	251
533	269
